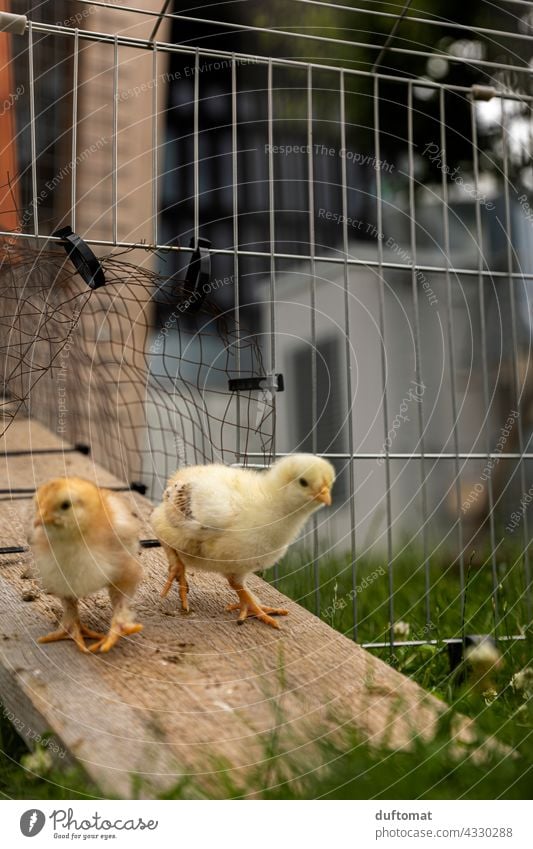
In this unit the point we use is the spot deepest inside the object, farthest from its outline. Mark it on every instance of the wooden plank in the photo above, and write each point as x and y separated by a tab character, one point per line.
29	472
23	434
191	690
59	691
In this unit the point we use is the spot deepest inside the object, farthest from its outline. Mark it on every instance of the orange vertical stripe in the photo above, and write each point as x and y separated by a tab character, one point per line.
8	160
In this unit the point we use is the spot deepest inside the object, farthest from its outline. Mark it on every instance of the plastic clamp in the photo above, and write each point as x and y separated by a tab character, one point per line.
270	383
198	275
82	257
457	648
150	543
138	486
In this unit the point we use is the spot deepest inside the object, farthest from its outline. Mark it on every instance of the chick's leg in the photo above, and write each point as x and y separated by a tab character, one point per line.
121	594
249	605
71	627
176	572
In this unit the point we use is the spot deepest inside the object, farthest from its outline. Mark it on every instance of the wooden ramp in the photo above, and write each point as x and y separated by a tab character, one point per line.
191	691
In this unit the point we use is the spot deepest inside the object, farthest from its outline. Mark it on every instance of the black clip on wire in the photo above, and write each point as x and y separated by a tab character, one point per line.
82	257
198	276
269	383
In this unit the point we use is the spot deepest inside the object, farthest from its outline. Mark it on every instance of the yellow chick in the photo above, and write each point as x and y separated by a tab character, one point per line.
237	521
85	539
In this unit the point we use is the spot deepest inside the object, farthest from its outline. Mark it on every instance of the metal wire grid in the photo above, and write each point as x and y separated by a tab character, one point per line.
234	59
386	47
56	334
480	272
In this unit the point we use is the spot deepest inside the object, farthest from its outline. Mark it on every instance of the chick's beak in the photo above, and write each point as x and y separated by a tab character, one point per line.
324	496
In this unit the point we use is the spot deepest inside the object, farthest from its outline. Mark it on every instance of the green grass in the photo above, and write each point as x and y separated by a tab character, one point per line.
429	599
350	769
26	776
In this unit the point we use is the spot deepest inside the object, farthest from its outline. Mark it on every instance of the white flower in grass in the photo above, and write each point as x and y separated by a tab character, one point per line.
490	695
401	629
39	762
523	682
483	659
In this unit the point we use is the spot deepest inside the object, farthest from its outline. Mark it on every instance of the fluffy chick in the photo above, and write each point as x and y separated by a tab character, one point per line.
85	539
237	521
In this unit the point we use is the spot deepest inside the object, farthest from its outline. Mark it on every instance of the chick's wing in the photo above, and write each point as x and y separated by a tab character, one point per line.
123	520
205	497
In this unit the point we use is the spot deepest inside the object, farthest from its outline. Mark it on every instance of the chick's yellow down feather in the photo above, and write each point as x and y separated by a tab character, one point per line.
85	539
237	521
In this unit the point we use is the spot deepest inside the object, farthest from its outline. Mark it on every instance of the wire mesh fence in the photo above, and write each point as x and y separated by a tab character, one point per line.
369	229
146	399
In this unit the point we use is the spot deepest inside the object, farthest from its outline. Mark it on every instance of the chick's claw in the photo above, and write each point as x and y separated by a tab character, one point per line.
250	608
116	632
274	611
74	632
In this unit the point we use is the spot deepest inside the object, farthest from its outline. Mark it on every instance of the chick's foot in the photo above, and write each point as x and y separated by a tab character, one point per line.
249	606
176	572
76	632
115	633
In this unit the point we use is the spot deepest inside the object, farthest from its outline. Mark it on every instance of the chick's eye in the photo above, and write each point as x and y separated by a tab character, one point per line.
303	482
65	505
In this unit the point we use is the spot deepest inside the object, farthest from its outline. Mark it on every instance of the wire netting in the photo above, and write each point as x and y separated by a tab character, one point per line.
147	397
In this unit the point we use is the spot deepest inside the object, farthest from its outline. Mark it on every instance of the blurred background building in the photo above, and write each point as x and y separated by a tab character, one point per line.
288	200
